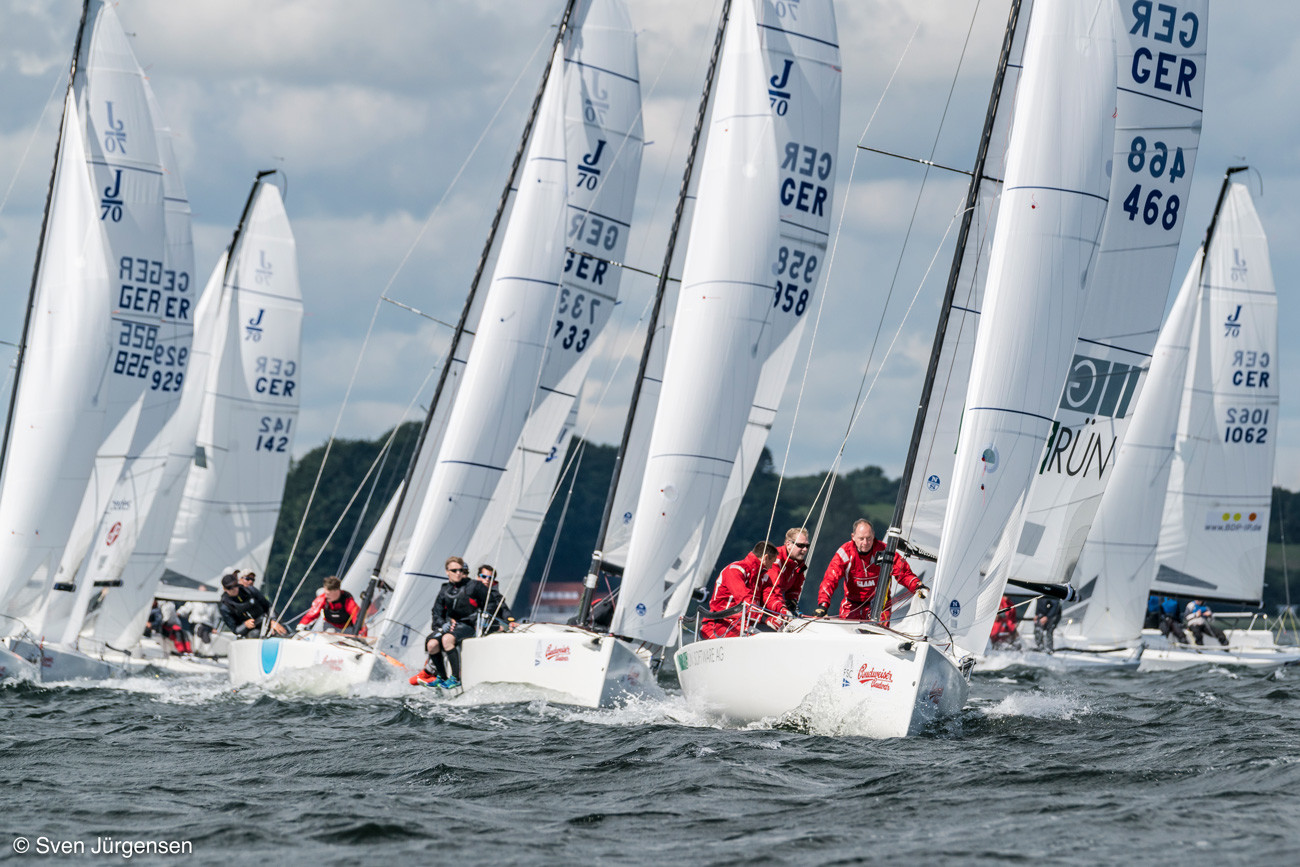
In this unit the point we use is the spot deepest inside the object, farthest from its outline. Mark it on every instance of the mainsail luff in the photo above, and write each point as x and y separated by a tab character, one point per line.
962	268
425	450
1049	223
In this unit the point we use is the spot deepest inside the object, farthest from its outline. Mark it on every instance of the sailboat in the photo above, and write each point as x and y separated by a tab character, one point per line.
250	398
1154	155
762	211
500	406
979	464
1187	513
107	330
863	670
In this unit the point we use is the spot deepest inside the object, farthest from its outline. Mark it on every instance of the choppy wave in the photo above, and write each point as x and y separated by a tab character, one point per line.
1059	767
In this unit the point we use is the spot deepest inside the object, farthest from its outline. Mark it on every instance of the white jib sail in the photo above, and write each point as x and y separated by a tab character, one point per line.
1215	529
764	191
927	497
53	443
1117	562
501	376
1157	131
250	411
1049	224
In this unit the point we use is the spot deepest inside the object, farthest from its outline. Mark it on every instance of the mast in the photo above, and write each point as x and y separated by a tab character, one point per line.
239	227
886	557
589	584
1218	206
461	323
40	243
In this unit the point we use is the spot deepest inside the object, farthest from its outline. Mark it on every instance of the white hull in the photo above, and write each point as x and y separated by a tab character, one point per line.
15	667
1064	659
323	661
573	665
52	663
868	681
1252	648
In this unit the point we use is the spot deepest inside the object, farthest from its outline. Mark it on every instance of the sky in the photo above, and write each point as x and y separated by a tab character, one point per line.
394	122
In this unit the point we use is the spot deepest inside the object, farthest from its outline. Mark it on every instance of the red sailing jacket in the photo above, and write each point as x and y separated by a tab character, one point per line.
860	580
1004	625
339	615
782	583
735	586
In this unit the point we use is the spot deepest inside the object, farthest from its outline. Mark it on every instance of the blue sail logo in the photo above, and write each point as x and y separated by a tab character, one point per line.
1232	325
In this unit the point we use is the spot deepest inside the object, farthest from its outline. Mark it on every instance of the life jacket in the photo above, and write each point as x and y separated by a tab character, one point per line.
336	612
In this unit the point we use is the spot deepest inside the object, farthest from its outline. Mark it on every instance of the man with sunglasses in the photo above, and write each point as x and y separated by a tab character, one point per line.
455	609
779	588
497	616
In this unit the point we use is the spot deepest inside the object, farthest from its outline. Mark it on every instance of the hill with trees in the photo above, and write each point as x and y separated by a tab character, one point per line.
350	498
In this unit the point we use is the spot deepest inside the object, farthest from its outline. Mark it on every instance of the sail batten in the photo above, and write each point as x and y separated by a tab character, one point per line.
753	265
1044	244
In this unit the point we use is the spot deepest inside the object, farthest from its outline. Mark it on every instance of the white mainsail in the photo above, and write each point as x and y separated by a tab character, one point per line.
1214	532
752	265
52	445
250	409
542	311
1048	228
146	461
1157	130
120	618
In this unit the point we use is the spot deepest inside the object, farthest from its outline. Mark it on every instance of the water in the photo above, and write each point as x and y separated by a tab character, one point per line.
1198	767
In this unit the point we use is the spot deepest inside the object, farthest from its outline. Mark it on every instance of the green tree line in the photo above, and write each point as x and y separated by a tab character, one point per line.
358	482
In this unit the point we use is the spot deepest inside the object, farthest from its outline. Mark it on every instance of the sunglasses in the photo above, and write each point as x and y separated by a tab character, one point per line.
804	545
460	571
485	574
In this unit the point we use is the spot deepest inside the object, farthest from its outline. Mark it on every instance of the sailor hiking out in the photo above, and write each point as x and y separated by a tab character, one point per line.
735	588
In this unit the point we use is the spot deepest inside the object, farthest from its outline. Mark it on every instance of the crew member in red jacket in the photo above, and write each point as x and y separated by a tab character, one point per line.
735	587
853	563
1005	635
780	586
336	605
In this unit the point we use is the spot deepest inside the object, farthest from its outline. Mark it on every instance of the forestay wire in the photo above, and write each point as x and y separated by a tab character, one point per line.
830	266
338	421
865	389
